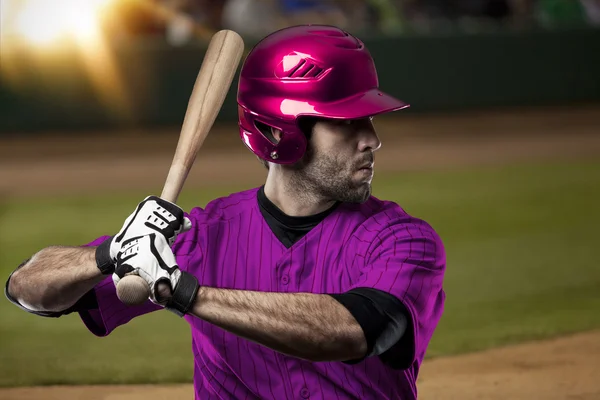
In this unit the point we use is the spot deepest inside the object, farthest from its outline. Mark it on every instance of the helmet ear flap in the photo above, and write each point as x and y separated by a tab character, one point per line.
267	131
271	139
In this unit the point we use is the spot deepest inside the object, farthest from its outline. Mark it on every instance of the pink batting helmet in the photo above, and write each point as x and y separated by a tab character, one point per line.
308	70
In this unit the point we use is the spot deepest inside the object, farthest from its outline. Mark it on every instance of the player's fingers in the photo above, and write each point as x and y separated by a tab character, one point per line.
162	290
120	274
123	270
116	278
146	276
172	208
187	224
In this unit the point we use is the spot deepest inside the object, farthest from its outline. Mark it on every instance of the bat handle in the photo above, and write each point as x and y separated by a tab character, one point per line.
174	183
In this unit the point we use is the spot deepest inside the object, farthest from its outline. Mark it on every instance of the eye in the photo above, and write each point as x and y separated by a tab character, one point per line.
343	122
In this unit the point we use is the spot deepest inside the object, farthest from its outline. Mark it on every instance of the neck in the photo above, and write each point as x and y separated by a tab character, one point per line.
293	200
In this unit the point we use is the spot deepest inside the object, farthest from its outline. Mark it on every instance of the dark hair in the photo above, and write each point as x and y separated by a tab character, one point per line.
306	125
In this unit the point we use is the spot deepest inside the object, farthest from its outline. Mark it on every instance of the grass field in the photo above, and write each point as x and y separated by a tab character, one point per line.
520	240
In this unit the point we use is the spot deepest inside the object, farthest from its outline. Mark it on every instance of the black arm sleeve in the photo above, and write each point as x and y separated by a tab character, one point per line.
384	320
87	302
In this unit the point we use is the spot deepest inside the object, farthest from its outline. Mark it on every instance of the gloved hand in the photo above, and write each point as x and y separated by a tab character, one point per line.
151	258
152	215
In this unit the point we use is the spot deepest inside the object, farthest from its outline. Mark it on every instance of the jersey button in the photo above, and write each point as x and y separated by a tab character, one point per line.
285	279
304	393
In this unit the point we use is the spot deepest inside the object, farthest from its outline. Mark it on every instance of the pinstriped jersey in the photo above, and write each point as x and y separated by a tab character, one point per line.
375	244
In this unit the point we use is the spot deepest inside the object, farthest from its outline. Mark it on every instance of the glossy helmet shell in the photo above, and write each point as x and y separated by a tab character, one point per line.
308	70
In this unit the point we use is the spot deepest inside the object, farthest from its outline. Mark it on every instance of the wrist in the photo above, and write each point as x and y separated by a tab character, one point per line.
104	261
184	294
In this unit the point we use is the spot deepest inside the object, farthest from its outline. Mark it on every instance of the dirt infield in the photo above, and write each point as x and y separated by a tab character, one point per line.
563	368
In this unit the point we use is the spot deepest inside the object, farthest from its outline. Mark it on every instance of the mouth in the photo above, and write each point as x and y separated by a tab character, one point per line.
366	171
367	167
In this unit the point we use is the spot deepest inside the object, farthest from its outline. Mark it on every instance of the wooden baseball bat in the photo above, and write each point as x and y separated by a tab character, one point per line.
212	84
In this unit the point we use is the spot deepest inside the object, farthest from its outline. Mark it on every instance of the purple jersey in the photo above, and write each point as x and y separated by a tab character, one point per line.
375	244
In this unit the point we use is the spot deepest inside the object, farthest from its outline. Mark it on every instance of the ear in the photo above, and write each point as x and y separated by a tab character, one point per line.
276	133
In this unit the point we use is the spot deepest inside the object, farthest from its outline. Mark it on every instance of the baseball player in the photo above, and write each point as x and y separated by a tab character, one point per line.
305	287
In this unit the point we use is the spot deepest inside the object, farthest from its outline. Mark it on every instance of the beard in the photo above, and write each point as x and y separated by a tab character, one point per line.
331	177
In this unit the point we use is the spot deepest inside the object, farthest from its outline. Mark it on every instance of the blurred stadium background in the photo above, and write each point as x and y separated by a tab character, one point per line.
499	152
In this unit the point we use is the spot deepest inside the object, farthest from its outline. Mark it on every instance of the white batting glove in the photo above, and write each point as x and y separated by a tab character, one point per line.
152	215
151	258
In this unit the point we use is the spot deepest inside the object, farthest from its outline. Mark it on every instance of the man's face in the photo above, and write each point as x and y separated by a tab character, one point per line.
338	164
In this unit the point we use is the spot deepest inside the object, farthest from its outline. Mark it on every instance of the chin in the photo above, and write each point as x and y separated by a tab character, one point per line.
359	195
366	195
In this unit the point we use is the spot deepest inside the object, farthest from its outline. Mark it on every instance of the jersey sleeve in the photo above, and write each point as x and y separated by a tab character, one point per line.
110	312
407	260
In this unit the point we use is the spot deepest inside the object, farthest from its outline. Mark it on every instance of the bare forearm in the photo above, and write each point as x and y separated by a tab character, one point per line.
55	278
304	325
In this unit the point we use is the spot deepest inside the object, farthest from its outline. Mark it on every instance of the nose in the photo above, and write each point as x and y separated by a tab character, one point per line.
368	139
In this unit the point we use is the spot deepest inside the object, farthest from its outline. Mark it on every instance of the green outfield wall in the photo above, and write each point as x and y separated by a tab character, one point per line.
440	72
